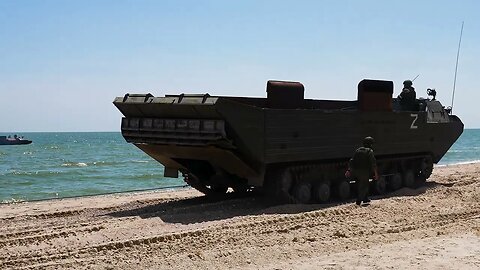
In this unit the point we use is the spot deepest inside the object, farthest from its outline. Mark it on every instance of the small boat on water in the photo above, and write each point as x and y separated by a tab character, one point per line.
8	140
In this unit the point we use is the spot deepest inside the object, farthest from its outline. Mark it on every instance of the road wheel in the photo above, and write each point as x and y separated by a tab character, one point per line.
409	179
216	185
284	186
240	188
426	167
342	190
278	185
215	190
380	185
395	181
302	192
322	192
420	180
239	185
196	183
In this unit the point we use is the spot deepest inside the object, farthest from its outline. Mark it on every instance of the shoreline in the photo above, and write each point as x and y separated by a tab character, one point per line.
158	189
161	190
172	188
458	163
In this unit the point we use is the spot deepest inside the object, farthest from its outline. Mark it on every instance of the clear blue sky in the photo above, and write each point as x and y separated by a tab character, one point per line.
63	62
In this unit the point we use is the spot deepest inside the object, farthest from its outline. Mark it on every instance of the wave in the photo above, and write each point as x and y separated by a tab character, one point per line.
12	201
459	163
140	161
113	163
149	176
105	163
74	164
35	173
468	150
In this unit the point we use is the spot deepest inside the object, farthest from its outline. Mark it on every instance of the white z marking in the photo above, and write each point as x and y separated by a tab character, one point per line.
415	117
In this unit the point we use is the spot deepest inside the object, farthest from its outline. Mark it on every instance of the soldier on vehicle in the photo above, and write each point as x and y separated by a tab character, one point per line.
408	96
361	166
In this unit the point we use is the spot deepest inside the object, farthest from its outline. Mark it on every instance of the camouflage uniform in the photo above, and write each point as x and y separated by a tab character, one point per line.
408	96
363	165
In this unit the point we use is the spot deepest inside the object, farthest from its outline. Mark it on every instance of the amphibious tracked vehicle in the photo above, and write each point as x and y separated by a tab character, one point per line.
292	148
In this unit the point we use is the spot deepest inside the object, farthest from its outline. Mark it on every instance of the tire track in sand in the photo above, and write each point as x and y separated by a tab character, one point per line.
269	225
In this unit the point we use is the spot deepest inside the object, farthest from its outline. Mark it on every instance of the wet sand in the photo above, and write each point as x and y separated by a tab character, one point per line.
433	227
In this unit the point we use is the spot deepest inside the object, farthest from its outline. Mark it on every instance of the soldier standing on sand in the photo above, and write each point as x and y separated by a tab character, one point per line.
408	96
361	166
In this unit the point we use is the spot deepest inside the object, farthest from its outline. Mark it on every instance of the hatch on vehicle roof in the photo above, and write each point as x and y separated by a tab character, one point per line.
375	95
285	95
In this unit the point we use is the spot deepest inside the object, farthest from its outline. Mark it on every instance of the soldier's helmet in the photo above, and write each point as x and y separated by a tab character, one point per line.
368	142
407	83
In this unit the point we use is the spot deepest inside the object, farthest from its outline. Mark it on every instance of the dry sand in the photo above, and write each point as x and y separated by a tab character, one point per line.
434	227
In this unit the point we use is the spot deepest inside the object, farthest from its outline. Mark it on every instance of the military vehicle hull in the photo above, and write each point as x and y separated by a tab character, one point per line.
294	149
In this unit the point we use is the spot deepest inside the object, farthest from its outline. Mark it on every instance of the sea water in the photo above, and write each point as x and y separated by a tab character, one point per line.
75	164
465	150
58	165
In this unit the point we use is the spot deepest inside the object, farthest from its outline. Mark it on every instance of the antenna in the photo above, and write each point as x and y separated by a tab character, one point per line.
456	68
415	78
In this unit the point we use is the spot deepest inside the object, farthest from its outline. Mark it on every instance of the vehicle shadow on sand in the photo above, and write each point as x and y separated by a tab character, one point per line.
204	209
199	209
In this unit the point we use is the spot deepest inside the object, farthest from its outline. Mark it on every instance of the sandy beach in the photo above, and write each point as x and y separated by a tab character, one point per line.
433	227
